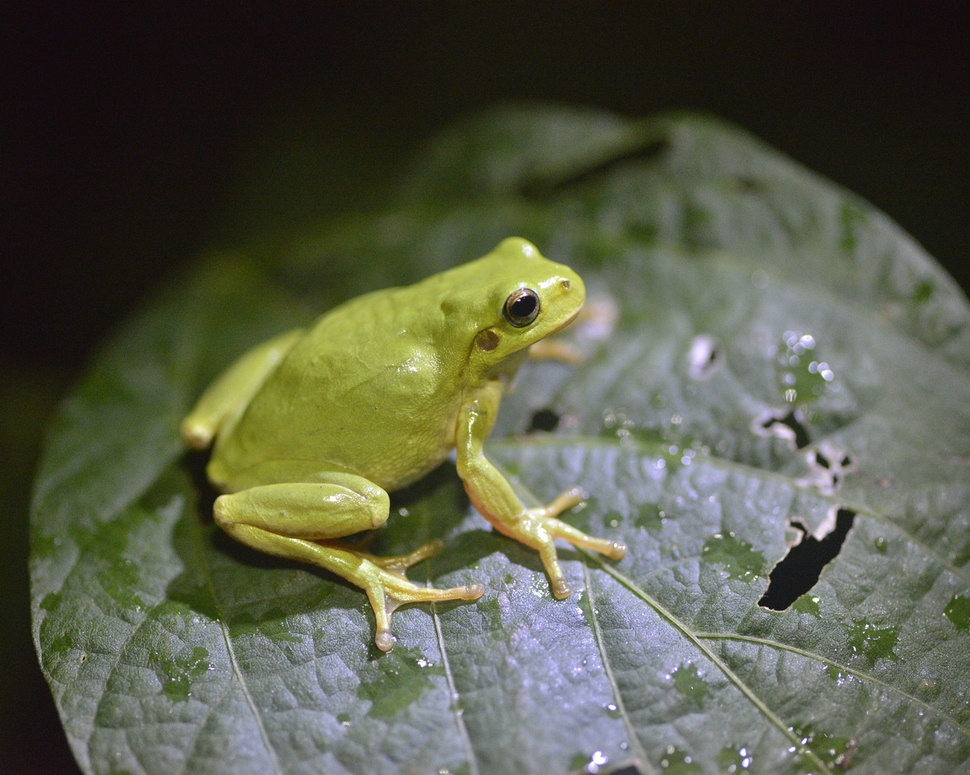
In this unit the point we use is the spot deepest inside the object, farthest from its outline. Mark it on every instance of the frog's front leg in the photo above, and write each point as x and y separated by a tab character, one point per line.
493	496
299	520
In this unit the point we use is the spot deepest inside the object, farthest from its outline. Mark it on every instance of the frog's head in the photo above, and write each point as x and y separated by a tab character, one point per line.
510	299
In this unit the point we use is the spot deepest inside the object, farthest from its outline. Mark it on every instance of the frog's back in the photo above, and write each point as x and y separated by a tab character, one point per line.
364	391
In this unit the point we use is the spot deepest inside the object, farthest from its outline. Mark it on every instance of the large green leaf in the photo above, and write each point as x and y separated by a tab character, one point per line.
783	359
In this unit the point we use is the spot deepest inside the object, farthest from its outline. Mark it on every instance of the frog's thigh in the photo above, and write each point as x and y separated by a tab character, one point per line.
342	505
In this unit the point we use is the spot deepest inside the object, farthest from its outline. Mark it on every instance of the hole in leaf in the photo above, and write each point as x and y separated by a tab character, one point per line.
800	568
828	465
787	426
544	420
704	357
543	187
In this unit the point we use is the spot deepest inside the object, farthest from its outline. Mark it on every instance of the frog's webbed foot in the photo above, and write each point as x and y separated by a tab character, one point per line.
388	589
400	563
540	527
387	586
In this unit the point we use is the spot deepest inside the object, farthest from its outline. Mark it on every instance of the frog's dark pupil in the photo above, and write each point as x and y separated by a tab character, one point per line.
522	307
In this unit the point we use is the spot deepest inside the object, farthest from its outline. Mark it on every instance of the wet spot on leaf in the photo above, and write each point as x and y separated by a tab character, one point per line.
872	642
806	604
958	612
801	376
851	218
118	581
650	517
740	560
678	762
61	644
42	545
617	424
733	760
51	601
923	292
544	420
593	764
270	624
400	680
833	751
800	569
836	673
176	674
689	683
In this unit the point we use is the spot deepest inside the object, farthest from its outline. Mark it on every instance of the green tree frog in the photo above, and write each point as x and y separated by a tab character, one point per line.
315	427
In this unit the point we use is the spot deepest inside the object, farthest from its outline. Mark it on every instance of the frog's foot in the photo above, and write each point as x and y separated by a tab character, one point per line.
400	563
382	578
389	589
540	527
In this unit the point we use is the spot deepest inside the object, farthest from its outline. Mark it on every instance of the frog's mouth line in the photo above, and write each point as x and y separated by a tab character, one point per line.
568	320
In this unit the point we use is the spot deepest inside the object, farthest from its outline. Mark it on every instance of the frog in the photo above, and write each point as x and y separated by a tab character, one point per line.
313	429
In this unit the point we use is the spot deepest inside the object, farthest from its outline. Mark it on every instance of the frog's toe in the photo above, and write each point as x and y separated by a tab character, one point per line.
399	591
561	589
400	563
384	640
470	592
615	550
390	590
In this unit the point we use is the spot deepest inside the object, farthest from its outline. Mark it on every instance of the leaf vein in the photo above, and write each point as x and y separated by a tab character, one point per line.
472	759
832	663
640	753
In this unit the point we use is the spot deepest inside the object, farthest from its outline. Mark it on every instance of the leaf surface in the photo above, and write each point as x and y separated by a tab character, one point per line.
771	357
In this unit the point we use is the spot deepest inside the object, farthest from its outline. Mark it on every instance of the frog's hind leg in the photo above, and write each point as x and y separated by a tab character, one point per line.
299	521
400	563
222	403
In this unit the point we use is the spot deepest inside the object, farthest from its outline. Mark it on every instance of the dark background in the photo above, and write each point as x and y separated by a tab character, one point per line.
131	139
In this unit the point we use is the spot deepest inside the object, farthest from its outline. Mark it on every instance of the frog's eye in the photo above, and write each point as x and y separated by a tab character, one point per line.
522	307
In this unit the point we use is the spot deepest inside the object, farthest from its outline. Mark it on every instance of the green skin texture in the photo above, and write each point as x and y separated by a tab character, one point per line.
315	427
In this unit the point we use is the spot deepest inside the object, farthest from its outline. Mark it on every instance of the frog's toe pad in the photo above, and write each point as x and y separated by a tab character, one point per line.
471	592
616	550
561	589
385	641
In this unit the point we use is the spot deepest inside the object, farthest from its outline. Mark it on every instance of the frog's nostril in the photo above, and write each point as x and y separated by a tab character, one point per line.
566	284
